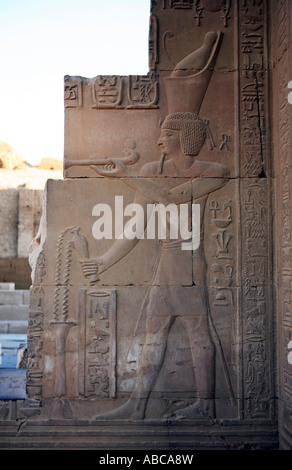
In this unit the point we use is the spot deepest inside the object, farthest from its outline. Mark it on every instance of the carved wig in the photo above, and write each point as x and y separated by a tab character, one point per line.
192	131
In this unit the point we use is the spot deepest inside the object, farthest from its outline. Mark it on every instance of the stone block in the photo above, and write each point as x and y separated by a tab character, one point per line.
13	312
9	216
13	384
29	214
7	285
13	297
18	327
4	326
16	270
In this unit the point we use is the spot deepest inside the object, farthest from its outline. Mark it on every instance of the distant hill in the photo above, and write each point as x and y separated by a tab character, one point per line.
8	159
15	172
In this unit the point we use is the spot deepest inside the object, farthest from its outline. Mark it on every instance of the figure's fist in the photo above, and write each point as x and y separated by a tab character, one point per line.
113	168
90	269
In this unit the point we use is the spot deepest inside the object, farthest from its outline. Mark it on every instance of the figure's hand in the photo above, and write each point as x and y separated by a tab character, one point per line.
114	168
91	268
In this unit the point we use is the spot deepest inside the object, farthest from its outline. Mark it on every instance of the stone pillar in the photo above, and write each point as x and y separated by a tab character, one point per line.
282	119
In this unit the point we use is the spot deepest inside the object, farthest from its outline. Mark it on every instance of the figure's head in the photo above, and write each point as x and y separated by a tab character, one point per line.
192	131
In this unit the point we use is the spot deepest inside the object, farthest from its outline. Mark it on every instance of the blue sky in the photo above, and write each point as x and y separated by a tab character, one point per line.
43	40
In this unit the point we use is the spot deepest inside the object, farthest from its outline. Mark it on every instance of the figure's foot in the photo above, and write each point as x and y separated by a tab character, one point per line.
201	409
132	409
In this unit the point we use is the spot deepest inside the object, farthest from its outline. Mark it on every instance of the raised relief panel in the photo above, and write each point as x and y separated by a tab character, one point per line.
143	91
73	92
212	6
221	249
199	7
107	92
253	87
97	343
256	298
164	328
36	326
153	42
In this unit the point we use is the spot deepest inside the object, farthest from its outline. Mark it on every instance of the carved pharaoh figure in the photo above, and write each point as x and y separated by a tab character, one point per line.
182	136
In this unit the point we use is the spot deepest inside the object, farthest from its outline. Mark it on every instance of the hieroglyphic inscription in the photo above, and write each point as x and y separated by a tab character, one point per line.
97	343
35	364
73	92
153	42
198	6
256	299
222	261
133	92
253	87
107	92
143	91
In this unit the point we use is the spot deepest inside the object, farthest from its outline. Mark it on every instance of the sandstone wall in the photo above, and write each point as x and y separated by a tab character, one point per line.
281	38
20	212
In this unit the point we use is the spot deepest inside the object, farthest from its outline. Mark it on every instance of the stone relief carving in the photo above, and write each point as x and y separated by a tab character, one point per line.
73	92
35	343
153	42
129	156
253	88
107	92
133	92
143	91
199	6
183	134
256	299
97	343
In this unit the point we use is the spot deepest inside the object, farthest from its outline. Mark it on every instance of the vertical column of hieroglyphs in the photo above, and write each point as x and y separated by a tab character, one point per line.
255	209
35	331
97	343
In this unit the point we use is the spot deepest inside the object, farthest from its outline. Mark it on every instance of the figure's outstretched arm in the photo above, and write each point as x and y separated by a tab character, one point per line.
121	246
147	187
204	186
156	193
148	191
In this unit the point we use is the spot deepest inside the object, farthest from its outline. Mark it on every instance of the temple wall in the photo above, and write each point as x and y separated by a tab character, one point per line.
282	71
20	214
159	344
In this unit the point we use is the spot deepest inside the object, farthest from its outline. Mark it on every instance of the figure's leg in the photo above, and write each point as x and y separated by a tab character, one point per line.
152	356
203	356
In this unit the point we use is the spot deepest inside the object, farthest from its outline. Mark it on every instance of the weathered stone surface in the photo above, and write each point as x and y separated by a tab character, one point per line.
8	209
281	14
17	270
29	214
127	331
